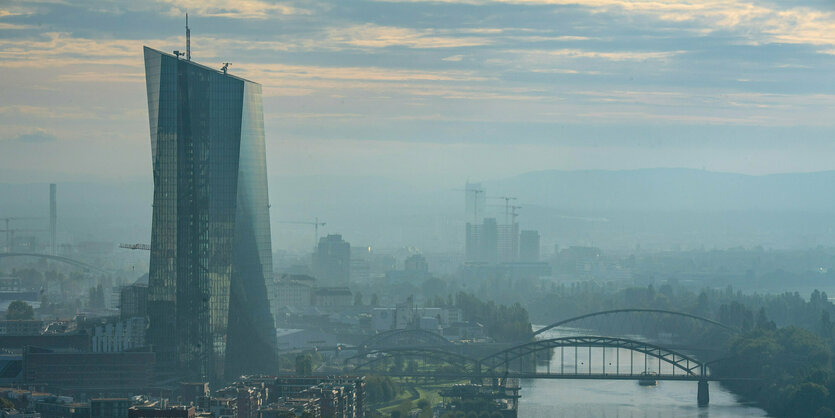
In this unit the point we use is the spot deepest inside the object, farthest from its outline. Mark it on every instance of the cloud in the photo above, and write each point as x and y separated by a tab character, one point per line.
757	22
38	136
58	48
606	55
13	26
236	9
376	36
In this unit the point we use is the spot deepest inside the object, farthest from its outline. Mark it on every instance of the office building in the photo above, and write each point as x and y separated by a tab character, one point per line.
529	246
332	261
71	371
482	242
211	254
507	237
133	301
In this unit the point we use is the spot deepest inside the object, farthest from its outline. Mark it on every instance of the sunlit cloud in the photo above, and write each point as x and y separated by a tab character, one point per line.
450	74
375	36
239	9
757	22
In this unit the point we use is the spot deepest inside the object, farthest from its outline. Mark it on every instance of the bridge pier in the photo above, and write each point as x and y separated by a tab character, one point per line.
703	396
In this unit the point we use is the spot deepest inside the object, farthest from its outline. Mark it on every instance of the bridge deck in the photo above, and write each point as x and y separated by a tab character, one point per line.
579	376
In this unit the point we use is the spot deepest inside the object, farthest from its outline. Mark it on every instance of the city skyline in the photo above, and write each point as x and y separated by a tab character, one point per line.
645	229
478	87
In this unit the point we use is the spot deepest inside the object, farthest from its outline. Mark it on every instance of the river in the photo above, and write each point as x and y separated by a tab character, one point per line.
620	398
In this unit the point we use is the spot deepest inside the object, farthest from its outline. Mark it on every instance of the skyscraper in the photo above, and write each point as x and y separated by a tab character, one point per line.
211	255
482	242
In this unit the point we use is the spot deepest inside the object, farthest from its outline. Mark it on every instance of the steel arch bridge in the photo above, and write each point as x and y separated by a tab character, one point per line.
636	310
501	362
66	260
406	338
465	365
689	366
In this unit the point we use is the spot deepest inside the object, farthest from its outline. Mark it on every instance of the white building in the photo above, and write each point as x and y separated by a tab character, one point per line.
115	337
295	290
403	317
299	339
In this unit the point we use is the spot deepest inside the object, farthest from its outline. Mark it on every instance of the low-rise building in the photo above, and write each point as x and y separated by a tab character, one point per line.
332	296
70	371
55	409
21	327
123	335
333	396
294	339
110	407
295	290
161	411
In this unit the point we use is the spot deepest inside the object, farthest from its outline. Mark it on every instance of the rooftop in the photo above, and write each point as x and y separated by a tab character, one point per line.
200	65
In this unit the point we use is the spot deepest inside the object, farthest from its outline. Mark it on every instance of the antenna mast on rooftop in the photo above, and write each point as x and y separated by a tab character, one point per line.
188	40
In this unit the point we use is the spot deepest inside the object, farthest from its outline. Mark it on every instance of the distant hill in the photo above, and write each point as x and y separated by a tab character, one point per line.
671	189
654	208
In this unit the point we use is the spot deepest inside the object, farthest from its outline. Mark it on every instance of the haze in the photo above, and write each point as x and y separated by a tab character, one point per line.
376	110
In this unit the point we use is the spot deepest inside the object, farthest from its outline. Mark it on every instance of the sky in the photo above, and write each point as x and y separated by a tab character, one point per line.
434	92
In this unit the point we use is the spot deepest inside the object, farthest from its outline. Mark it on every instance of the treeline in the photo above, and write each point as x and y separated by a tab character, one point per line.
790	367
503	323
381	389
729	306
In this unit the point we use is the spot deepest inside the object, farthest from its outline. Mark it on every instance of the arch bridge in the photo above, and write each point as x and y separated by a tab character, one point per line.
66	260
674	361
672	324
406	338
587	357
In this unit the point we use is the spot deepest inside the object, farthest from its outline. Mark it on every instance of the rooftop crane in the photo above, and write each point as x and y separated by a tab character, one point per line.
513	212
475	193
507	200
316	224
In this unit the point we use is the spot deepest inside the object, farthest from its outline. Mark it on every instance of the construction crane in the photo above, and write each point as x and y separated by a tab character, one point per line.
10	235
144	247
475	193
507	200
513	212
316	224
8	230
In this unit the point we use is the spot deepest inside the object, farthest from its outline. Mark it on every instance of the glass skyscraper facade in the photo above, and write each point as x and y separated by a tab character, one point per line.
211	258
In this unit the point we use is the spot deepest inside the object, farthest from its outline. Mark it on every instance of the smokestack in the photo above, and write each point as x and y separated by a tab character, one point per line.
53	216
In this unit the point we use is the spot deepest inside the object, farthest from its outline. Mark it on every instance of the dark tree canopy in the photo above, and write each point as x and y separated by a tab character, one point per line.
20	310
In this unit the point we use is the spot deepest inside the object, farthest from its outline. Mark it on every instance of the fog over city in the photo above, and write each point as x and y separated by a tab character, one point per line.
293	203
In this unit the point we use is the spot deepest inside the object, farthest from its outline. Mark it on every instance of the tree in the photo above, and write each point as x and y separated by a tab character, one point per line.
20	310
412	366
97	297
423	403
304	365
